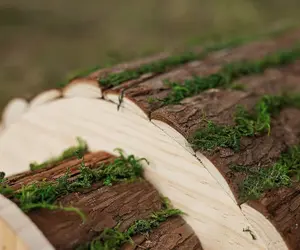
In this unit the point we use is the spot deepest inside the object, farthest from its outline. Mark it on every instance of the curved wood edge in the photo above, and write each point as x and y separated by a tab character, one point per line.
17	231
124	103
13	110
44	97
175	172
266	229
82	87
261	225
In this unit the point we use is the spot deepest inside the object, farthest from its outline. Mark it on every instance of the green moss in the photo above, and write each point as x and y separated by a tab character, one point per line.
159	66
281	174
228	73
246	124
67	154
113	239
4	188
163	65
237	86
43	194
81	73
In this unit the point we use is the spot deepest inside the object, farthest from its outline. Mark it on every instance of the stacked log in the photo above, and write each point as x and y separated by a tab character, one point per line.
109	210
219	128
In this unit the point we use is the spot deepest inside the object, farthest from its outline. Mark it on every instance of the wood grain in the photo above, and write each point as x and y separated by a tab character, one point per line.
175	172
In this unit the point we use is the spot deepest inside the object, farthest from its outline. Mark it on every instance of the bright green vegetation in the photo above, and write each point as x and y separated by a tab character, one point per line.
113	239
67	154
43	194
246	124
229	73
281	174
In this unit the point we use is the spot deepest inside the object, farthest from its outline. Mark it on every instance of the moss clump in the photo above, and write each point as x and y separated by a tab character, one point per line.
4	188
159	66
43	194
163	65
67	154
281	173
246	124
113	239
79	74
227	74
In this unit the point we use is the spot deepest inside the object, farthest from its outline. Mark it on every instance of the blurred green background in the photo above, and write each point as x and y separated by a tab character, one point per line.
43	42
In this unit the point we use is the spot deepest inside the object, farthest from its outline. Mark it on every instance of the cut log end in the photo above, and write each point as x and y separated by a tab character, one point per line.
44	97
124	103
173	171
81	87
264	228
180	97
124	208
216	174
17	232
174	134
13	111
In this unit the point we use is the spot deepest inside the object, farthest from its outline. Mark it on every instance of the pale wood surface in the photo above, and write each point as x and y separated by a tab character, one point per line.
47	130
45	97
83	88
17	232
13	111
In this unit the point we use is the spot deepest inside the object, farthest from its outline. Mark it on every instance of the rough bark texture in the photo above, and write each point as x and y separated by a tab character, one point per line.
155	88
172	234
104	207
54	171
281	207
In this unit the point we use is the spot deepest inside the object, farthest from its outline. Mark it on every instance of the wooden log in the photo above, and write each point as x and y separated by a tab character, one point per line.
178	176
219	106
192	66
45	97
13	111
156	88
197	181
105	207
89	86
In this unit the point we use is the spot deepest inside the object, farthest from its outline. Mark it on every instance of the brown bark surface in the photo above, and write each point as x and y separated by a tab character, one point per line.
154	87
172	234
104	207
281	207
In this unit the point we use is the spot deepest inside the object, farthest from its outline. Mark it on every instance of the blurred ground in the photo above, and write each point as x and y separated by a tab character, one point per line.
41	42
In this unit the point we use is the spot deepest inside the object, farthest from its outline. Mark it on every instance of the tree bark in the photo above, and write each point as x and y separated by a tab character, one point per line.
154	87
128	202
105	207
281	207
